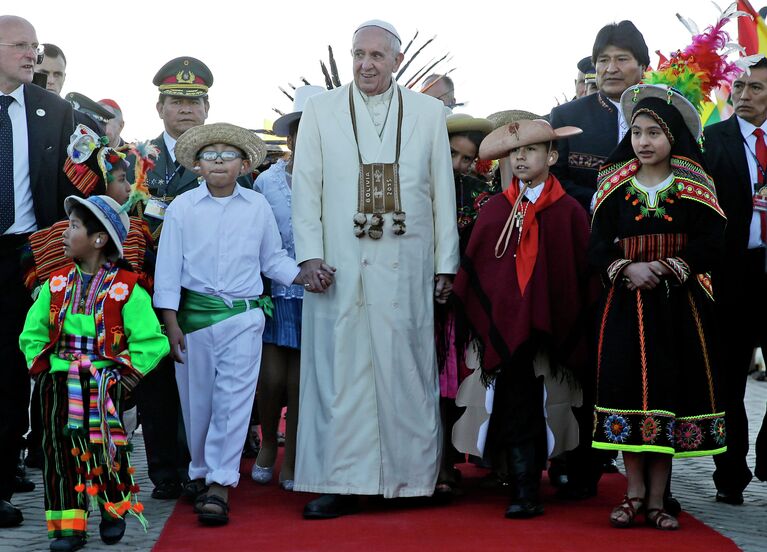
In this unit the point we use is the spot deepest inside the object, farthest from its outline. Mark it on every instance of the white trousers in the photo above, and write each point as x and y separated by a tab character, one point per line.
216	385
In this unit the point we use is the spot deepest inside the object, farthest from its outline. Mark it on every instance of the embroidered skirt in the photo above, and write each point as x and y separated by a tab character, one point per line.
656	372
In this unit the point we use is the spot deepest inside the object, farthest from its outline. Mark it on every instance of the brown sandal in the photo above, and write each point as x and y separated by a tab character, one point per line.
661	519
626	507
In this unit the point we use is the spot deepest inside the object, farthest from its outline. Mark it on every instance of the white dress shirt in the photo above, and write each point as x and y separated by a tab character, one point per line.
623	126
533	192
747	130
219	247
22	190
170	144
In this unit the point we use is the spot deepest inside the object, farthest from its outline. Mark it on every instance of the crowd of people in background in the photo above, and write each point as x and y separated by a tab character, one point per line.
529	291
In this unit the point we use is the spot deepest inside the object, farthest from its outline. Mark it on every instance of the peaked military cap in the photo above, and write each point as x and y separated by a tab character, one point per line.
94	110
184	76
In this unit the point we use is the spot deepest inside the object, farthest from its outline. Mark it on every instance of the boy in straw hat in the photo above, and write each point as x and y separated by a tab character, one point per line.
522	289
92	327
208	286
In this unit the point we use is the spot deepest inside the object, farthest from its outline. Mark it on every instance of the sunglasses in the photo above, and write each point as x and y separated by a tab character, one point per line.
223	155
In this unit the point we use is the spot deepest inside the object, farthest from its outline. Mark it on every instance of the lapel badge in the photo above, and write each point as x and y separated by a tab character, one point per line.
40	112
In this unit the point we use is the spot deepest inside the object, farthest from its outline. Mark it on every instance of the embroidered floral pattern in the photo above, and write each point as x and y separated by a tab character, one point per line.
719	431
636	196
118	291
617	428
680	268
649	429
58	283
688	435
670	435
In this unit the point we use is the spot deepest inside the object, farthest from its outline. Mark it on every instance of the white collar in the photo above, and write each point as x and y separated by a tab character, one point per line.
383	97
202	191
170	144
533	193
17	95
747	129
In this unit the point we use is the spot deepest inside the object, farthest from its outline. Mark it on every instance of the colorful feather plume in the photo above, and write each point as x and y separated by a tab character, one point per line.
145	154
702	66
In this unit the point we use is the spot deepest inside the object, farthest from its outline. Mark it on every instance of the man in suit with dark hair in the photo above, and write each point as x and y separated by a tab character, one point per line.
736	157
620	57
35	126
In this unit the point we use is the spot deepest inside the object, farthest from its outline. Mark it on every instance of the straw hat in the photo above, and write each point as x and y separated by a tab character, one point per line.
501	141
633	94
461	122
501	118
116	222
281	126
193	140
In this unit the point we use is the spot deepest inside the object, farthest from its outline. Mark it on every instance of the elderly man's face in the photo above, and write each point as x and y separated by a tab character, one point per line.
617	69
56	70
374	60
180	114
17	65
442	91
114	126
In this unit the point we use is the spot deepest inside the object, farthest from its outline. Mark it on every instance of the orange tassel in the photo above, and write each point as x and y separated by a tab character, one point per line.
635	202
138	507
93	490
79	487
86	456
98	470
131	470
75	451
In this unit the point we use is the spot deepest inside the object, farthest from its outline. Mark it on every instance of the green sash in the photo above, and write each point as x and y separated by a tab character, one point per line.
199	310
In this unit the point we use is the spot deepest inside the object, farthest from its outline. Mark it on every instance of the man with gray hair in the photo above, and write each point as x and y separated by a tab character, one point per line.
369	391
440	87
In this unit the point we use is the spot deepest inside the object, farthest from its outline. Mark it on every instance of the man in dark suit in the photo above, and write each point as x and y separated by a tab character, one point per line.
620	57
736	157
35	126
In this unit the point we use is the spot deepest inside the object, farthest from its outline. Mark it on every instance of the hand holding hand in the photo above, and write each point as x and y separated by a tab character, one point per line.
642	276
316	275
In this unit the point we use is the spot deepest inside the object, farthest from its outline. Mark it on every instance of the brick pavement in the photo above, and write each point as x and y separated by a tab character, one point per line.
746	525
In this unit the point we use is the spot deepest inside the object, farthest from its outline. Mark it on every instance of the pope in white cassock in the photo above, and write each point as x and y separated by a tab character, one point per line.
373	196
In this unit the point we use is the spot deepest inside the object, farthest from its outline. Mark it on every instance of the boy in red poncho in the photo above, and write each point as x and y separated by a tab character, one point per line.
523	284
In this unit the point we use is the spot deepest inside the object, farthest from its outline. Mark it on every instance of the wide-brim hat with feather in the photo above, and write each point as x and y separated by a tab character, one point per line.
685	79
501	141
115	221
281	126
462	122
501	118
193	140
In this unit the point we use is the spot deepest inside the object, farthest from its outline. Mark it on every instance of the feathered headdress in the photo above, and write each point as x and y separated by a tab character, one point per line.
145	155
688	76
88	153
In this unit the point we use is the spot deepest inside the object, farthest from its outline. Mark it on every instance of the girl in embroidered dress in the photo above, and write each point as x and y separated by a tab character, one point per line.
657	230
90	336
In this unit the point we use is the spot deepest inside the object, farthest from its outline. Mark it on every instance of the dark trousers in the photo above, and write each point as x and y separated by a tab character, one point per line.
15	301
159	411
741	327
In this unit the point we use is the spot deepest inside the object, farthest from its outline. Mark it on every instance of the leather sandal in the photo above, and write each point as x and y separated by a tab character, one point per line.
214	518
628	509
661	519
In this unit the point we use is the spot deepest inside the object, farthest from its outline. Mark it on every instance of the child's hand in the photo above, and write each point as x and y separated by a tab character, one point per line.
316	275
642	276
177	343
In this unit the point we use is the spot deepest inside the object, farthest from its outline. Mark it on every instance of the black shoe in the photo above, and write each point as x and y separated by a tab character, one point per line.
672	506
611	466
524	509
735	499
332	506
10	515
574	491
34	459
67	544
111	530
167	490
23	485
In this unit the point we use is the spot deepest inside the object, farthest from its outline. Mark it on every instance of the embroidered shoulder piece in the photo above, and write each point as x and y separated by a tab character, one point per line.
613	177
693	183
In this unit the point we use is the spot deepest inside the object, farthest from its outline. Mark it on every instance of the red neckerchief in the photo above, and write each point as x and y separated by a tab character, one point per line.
527	251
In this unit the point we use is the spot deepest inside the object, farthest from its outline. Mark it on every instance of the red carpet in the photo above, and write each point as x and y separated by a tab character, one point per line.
265	518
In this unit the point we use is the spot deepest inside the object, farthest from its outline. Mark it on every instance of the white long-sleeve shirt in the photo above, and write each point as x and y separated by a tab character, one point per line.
220	247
